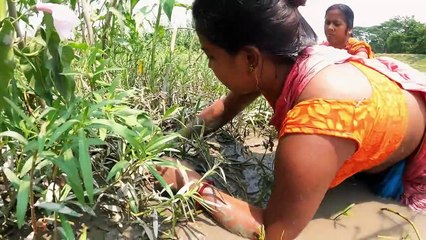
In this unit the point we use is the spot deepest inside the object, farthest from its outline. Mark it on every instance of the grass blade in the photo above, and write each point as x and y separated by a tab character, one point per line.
117	167
118	129
160	179
21	113
67	229
70	169
14	135
85	164
59	208
160	143
60	130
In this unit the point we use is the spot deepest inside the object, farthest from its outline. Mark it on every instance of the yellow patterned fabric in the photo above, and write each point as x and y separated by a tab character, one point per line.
354	46
376	124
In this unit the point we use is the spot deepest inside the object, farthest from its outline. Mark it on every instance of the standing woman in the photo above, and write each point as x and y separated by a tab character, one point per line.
338	27
336	114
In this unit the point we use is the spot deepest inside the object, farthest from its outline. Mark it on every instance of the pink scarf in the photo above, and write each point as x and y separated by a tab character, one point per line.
314	59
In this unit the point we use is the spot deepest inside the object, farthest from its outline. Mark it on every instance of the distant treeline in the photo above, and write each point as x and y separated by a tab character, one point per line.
397	35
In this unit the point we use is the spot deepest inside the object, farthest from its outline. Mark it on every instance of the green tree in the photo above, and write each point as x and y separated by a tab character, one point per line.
397	35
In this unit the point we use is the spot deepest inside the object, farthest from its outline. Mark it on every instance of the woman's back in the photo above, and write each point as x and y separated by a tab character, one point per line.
393	110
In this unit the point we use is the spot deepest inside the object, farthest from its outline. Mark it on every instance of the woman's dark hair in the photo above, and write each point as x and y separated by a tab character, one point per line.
276	27
347	12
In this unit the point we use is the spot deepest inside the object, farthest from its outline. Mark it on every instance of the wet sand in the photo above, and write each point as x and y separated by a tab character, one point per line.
365	219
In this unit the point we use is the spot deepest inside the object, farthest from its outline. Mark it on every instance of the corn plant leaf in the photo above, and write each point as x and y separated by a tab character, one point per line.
117	167
59	208
67	232
14	135
160	179
22	202
85	164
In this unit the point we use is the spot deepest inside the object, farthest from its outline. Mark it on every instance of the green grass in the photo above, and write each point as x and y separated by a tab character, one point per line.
417	61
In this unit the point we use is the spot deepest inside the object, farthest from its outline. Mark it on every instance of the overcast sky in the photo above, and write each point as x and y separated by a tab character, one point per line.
367	12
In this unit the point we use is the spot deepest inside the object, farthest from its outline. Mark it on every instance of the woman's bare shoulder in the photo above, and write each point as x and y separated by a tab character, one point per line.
339	81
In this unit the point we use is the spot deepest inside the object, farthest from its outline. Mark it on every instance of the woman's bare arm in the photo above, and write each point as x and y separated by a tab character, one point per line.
305	166
221	112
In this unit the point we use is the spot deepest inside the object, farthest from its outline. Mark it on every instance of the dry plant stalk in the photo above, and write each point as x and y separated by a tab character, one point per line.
406	219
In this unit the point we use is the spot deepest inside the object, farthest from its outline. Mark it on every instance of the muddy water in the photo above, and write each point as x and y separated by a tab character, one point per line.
364	221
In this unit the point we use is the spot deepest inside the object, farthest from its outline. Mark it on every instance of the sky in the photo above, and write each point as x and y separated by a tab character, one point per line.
367	12
373	13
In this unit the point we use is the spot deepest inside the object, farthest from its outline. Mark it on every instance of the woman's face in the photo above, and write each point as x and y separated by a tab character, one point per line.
336	29
232	70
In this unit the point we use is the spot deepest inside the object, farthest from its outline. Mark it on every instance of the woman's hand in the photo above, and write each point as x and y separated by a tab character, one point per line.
219	113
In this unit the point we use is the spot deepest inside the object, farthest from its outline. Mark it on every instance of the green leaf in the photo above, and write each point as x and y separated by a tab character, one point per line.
14	135
59	208
7	63
85	164
22	203
103	104
119	129
21	113
60	130
133	4
70	169
160	179
83	207
117	167
168	6
171	112
27	166
2	9
66	83
73	3
158	144
11	176
67	232
114	85
79	46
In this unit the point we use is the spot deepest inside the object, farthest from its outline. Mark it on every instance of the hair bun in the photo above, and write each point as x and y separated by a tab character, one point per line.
296	3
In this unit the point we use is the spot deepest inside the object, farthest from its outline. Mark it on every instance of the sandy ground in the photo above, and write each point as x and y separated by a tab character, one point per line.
365	220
